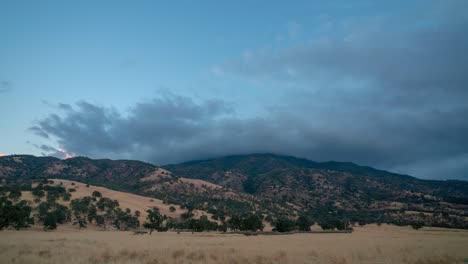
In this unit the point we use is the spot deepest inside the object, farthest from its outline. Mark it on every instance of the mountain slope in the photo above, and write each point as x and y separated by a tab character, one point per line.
296	185
271	185
234	171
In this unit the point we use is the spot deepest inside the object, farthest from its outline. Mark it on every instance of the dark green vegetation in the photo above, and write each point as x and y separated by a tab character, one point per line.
15	215
288	192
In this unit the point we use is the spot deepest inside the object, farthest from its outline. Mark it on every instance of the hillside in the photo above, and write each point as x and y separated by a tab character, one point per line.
126	200
271	185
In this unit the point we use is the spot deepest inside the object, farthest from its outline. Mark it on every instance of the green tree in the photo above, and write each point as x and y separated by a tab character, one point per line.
38	193
17	215
14	194
304	222
80	221
283	224
51	213
50	221
252	222
154	220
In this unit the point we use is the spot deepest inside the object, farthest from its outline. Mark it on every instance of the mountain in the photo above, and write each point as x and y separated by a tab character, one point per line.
262	174
273	185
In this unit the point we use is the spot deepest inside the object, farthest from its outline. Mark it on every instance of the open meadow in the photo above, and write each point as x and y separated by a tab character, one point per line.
369	244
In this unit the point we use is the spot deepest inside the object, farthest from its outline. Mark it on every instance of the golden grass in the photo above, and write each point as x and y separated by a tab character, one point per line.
370	244
126	200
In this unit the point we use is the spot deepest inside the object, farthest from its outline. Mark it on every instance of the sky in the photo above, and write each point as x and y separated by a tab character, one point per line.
378	83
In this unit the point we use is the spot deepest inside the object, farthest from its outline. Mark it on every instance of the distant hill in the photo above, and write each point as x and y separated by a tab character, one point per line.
272	185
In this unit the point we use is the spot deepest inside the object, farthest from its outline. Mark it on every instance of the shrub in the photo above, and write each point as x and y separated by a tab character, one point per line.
417	225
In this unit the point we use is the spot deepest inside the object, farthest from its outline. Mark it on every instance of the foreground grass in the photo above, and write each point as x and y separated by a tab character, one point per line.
371	244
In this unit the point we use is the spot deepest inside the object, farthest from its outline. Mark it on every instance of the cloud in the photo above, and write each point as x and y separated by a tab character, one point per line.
47	150
175	128
382	96
432	59
1	155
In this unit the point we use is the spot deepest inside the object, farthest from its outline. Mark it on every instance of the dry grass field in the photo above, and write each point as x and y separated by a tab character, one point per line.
370	244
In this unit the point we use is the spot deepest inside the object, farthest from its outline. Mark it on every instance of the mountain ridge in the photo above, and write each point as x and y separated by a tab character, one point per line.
269	184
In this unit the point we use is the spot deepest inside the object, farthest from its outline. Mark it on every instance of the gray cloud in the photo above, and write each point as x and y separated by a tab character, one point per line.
395	100
428	59
175	129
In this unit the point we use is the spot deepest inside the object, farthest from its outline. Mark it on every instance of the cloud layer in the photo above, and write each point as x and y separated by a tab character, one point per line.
394	99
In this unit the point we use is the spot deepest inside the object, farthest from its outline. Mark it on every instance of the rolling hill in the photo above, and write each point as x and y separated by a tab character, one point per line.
271	185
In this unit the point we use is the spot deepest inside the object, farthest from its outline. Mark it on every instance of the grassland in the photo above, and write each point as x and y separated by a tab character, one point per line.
370	244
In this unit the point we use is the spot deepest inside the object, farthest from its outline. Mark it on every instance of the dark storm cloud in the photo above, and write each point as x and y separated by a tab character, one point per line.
391	99
175	129
396	99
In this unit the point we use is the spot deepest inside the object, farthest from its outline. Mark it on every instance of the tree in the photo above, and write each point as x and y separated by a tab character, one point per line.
123	220
417	225
52	213
331	223
172	208
100	220
304	223
246	222
50	221
80	221
97	194
81	211
252	222
17	215
66	196
14	194
283	224
38	193
154	220
234	223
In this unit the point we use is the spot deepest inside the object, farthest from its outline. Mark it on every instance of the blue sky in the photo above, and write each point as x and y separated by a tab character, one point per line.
374	82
